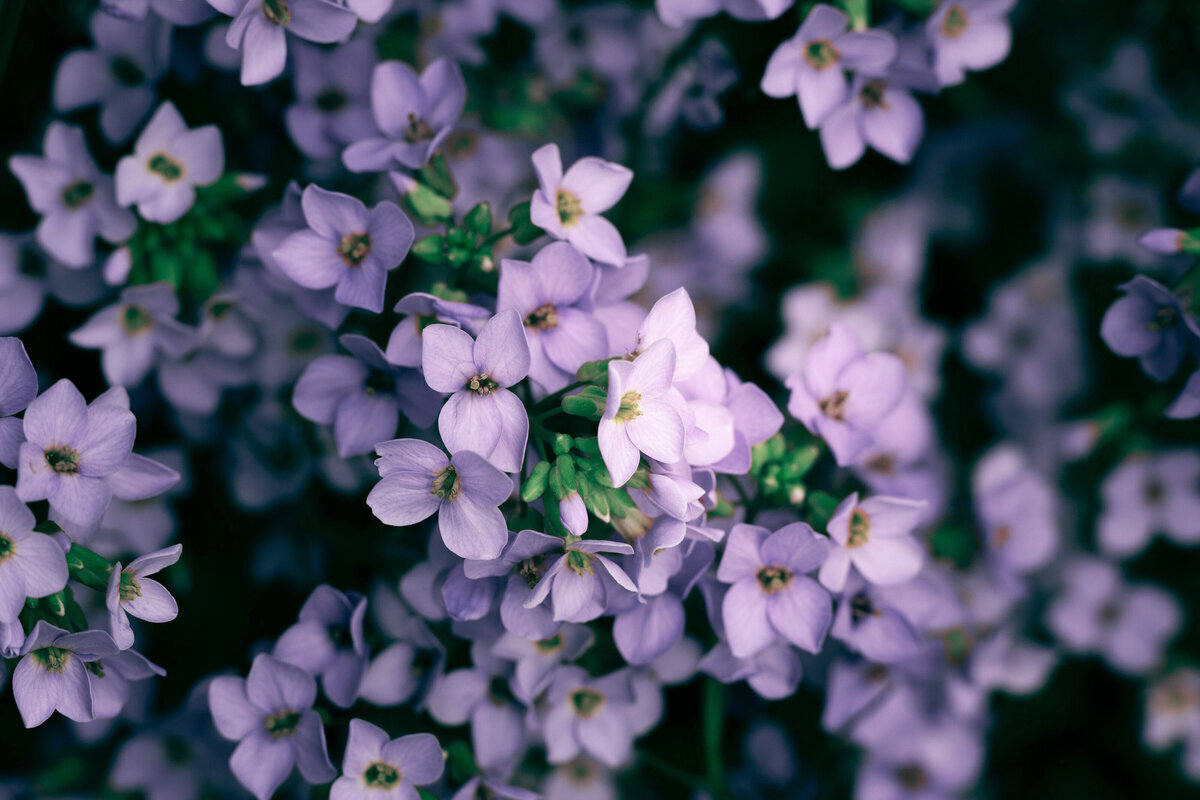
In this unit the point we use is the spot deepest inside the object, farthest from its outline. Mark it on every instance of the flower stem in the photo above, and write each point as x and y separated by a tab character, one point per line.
714	725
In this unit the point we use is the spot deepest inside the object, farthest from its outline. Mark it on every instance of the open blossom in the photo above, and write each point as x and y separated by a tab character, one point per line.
771	595
842	393
136	333
362	395
118	74
1152	324
328	642
552	295
270	715
1148	494
812	64
332	107
875	537
568	206
465	491
375	766
968	35
18	387
31	564
481	695
130	592
678	13
260	28
52	675
589	715
415	115
169	161
880	112
482	414
640	416
580	582
75	199
346	246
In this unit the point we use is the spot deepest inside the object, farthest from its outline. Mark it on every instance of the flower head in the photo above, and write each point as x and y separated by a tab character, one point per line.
569	206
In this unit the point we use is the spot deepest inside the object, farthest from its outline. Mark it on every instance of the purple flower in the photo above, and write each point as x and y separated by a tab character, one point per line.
771	595
31	564
259	26
522	565
880	112
362	396
1017	509
640	416
1147	494
1097	612
569	206
968	35
578	591
71	449
481	414
842	393
18	387
332	107
75	199
136	334
52	675
110	679
169	161
131	592
552	296
1152	324
1166	241
346	246
874	537
678	13
1185	406
812	64
884	625
589	715
465	491
328	641
423	309
118	74
414	114
270	715
481	695
536	659
376	767
743	412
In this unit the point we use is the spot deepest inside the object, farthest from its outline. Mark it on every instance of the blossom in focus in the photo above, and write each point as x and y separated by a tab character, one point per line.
130	592
52	674
968	35
169	161
18	387
328	642
639	416
568	206
375	766
31	564
260	28
1150	323
875	537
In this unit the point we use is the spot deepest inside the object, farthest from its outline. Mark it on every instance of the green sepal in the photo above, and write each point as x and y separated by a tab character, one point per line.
429	207
589	403
595	498
535	484
595	372
437	176
524	231
589	445
479	219
564	469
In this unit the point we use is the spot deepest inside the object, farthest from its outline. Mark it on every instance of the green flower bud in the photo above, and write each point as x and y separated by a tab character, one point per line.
479	219
562	444
535	484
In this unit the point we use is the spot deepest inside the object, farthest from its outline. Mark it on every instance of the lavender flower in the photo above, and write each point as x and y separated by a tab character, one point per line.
31	564
639	416
771	596
131	592
70	450
812	64
18	386
136	334
577	590
569	206
376	767
260	27
110	680
552	296
464	490
270	715
169	161
52	675
588	715
1146	494
482	414
332	107
1151	324
842	393
362	396
328	641
423	309
346	246
75	199
118	74
481	695
968	35
874	537
414	114
880	112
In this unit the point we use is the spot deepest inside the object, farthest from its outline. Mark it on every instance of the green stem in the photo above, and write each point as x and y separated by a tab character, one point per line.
552	400
671	771
10	16
714	724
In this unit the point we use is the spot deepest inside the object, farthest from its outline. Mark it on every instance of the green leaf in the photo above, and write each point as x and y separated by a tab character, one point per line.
535	484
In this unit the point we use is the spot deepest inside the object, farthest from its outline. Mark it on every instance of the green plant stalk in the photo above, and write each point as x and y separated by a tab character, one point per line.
714	730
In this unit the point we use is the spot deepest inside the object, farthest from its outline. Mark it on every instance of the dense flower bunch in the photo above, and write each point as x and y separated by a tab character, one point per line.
436	373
